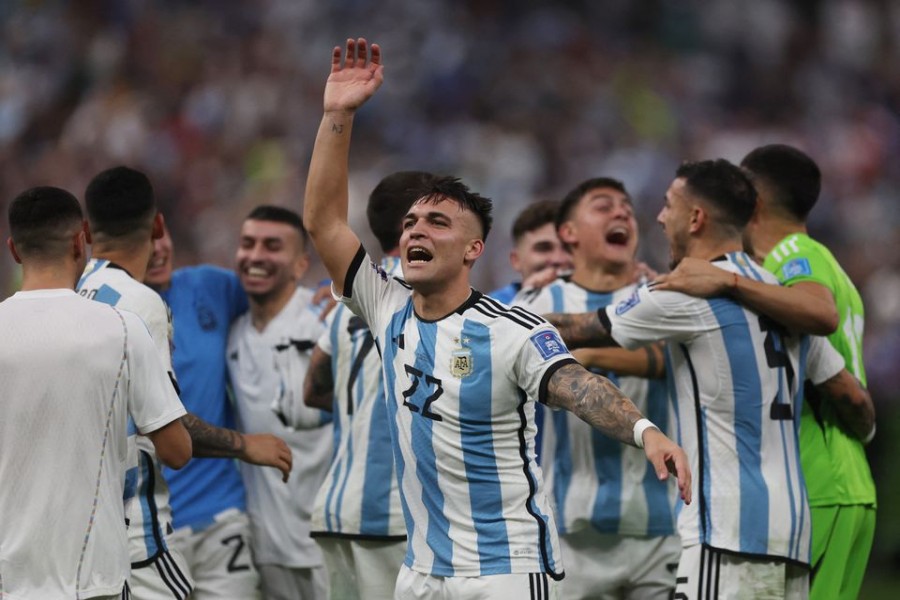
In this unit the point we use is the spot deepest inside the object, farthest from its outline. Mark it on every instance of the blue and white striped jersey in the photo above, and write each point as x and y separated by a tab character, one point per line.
460	400
146	493
360	496
737	385
595	480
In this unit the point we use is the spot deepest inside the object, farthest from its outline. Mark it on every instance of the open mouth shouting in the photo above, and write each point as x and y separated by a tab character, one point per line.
417	255
618	236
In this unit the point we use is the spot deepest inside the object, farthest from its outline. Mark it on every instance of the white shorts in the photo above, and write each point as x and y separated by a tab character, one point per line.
361	569
707	573
515	586
166	577
289	583
602	566
219	558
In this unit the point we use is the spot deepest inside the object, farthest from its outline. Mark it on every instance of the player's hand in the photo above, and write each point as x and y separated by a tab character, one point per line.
541	278
325	300
644	273
667	457
695	277
351	84
268	450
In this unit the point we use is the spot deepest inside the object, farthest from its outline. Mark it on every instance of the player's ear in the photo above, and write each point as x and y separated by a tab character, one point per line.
697	219
86	227
12	250
159	224
79	245
566	233
474	249
514	261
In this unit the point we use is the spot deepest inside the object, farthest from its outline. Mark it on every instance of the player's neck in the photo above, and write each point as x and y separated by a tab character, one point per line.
602	277
49	277
437	304
708	249
767	233
264	308
133	260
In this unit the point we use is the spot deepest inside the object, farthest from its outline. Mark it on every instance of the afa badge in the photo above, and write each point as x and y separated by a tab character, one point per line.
461	363
548	344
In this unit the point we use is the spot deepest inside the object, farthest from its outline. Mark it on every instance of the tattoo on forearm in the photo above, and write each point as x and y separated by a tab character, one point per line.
595	400
580	330
210	441
337	128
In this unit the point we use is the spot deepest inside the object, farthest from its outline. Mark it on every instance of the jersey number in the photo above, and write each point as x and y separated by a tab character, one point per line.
416	375
777	358
238	542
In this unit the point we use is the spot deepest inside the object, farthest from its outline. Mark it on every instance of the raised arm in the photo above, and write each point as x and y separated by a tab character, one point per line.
581	330
852	403
595	400
805	307
325	206
318	387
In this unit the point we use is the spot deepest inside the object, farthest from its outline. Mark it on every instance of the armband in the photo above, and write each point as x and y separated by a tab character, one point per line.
640	427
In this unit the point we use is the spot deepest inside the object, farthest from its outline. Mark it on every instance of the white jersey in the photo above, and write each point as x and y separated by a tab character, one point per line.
460	399
595	480
279	512
360	496
72	371
146	493
738	387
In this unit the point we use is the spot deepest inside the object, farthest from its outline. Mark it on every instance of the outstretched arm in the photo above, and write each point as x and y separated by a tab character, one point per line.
318	387
602	405
325	206
262	449
806	306
852	403
581	330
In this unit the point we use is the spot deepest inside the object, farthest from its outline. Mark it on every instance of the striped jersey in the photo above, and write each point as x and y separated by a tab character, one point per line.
460	395
73	373
146	493
593	479
736	382
360	496
266	370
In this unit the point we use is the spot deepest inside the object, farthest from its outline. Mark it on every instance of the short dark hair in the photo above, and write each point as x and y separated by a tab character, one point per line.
571	200
119	202
794	177
534	216
279	214
453	189
390	201
41	221
724	186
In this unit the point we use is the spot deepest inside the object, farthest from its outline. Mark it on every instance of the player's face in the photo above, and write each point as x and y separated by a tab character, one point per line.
603	228
270	258
675	218
439	243
159	270
538	249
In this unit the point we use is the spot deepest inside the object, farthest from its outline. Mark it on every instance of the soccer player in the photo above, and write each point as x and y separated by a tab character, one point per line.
537	256
74	372
816	297
124	222
617	531
357	519
461	373
737	380
212	530
269	349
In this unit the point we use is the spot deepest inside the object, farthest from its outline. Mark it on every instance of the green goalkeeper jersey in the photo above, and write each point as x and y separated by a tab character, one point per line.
834	461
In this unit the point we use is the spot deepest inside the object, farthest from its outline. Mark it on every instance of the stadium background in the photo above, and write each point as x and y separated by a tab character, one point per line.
219	103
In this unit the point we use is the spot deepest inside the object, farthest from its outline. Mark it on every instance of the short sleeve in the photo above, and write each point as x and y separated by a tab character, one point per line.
371	292
822	361
648	316
152	399
540	355
800	260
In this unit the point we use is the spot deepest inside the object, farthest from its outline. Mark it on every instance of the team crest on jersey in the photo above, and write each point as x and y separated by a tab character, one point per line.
548	344
461	360
625	305
796	268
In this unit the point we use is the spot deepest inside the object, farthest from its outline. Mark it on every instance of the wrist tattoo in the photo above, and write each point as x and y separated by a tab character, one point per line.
337	128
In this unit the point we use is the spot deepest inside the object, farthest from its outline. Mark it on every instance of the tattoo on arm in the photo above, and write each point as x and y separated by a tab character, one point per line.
581	330
318	388
210	441
595	400
337	128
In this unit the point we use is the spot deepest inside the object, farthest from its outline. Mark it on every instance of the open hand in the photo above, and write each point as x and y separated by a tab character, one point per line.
351	84
695	277
268	450
667	457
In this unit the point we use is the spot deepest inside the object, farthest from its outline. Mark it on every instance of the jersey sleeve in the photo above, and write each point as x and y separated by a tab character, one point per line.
152	399
371	292
540	355
647	316
822	361
801	261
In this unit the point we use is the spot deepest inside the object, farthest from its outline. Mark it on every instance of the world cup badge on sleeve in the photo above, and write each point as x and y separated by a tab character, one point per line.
461	363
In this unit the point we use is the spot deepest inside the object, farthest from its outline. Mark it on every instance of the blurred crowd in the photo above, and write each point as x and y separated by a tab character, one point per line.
219	102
